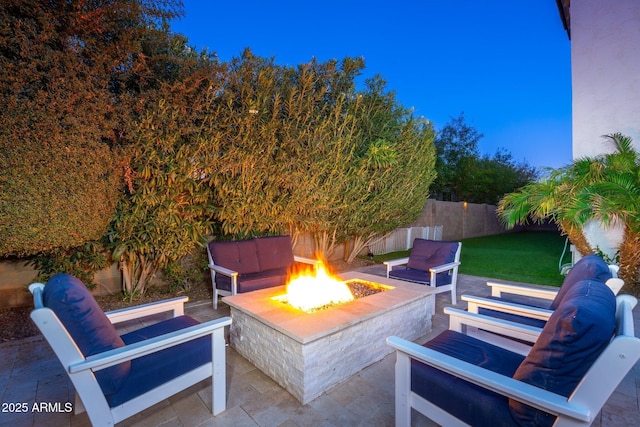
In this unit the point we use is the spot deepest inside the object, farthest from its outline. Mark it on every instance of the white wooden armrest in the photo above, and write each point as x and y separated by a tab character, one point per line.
223	270
394	262
498	288
174	304
37	289
458	318
444	267
152	345
506	386
473	303
305	260
615	284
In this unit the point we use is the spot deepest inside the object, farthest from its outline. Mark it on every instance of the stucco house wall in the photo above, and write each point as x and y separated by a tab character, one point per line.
605	63
605	68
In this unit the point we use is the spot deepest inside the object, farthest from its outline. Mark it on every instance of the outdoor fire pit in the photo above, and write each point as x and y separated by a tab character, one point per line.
309	352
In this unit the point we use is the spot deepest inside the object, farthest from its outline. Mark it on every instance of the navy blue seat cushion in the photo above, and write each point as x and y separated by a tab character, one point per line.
572	339
274	253
525	320
262	280
523	300
253	281
420	276
155	369
240	255
466	401
588	267
87	324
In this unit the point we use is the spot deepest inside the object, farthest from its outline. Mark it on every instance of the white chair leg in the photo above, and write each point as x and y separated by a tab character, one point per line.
454	299
218	383
403	389
215	298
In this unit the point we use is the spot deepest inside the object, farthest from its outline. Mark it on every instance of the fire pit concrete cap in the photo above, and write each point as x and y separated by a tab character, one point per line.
308	327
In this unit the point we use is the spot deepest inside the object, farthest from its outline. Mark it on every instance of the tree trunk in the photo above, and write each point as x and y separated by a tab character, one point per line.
577	238
325	243
629	252
137	271
359	243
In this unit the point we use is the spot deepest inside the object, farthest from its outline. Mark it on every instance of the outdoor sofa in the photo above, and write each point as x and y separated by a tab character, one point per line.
247	265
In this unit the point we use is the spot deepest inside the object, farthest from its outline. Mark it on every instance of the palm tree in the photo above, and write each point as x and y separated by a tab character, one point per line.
605	188
546	199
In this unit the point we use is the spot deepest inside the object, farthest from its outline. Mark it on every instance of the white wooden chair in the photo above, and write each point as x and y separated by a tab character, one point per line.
458	402
590	266
170	341
431	262
539	303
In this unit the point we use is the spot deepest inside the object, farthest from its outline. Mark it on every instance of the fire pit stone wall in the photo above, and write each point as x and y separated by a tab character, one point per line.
308	353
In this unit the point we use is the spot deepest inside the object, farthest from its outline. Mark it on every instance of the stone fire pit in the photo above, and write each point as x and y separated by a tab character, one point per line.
307	353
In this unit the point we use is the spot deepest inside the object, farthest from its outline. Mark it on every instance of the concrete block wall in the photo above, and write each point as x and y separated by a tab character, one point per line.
460	220
16	276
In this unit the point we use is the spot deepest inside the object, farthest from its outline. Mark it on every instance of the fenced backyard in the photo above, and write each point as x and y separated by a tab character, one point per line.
402	239
527	256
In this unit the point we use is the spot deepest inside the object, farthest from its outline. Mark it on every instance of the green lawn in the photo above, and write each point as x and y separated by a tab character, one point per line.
529	257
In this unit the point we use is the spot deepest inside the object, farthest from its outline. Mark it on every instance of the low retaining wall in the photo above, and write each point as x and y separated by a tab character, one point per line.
16	276
459	220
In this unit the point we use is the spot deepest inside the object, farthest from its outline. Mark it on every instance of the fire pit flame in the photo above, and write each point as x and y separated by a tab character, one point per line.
310	290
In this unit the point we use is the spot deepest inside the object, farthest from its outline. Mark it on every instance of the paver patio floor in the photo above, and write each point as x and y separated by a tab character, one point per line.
29	372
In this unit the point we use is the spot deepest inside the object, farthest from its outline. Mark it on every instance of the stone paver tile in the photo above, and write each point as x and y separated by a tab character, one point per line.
21	390
289	423
55	390
272	408
152	416
258	380
621	402
334	412
17	419
238	393
627	386
382	372
349	390
80	420
616	417
192	410
51	419
236	364
235	417
374	410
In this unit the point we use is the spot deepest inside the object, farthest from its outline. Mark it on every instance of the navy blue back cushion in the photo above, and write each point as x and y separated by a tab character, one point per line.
427	254
240	256
274	253
575	335
87	324
588	267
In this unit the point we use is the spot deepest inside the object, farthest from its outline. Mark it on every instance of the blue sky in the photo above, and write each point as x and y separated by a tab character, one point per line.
506	65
